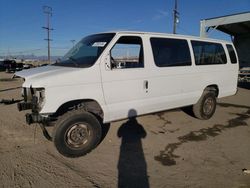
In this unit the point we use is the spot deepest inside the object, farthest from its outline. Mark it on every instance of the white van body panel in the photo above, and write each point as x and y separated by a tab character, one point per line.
169	87
65	84
123	88
118	91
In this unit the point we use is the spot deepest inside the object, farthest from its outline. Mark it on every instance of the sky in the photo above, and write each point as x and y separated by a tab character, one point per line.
21	21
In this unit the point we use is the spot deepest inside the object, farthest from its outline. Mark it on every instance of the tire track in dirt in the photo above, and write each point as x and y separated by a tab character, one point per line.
167	156
28	167
76	170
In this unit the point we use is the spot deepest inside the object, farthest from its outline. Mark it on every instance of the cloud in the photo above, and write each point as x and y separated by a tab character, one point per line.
160	14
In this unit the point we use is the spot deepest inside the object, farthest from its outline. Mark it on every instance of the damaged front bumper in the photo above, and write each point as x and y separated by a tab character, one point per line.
36	118
33	117
24	106
33	100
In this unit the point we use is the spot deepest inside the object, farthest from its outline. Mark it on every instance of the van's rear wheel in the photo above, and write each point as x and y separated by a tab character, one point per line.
76	133
206	106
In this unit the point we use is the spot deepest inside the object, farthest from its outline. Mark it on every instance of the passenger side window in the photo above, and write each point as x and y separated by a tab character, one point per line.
127	53
232	54
207	53
170	52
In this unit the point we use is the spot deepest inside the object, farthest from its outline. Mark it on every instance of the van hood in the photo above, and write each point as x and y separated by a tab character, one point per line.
45	70
50	75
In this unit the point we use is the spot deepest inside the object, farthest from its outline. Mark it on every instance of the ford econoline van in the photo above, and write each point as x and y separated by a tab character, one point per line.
116	75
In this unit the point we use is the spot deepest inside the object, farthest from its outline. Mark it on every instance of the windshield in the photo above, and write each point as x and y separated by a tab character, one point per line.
86	52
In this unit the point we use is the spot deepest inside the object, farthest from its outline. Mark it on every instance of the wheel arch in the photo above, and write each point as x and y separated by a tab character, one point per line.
214	88
89	105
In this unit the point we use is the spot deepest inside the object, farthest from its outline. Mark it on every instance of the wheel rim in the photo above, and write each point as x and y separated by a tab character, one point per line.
208	106
78	135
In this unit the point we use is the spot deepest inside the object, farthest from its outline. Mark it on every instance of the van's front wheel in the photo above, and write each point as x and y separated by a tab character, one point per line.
206	106
76	133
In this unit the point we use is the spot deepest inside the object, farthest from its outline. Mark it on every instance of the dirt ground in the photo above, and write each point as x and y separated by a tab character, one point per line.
167	149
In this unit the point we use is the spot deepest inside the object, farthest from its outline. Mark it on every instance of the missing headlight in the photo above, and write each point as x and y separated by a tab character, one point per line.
35	96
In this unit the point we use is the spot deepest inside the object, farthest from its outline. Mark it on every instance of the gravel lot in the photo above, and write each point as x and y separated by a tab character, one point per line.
167	149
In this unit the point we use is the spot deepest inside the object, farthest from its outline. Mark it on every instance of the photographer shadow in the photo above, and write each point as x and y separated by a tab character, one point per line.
132	167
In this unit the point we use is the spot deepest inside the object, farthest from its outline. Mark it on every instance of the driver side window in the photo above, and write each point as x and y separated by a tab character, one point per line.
127	53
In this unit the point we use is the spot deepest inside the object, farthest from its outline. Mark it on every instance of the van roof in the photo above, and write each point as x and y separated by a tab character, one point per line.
168	35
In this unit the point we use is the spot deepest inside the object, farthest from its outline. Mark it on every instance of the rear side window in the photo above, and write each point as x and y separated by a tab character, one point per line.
170	52
207	53
232	54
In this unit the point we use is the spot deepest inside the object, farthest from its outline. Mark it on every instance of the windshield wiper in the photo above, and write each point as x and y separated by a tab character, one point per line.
74	61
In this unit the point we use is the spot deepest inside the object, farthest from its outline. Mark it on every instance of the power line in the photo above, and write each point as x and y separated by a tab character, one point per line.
33	50
23	51
48	10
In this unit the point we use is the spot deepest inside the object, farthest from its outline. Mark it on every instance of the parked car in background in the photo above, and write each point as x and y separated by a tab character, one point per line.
45	64
19	67
27	66
11	66
2	68
244	74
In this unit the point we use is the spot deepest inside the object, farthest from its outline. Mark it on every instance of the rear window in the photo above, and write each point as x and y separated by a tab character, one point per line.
170	52
232	54
208	53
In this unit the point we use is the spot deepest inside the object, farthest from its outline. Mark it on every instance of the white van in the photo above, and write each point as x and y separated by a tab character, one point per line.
112	76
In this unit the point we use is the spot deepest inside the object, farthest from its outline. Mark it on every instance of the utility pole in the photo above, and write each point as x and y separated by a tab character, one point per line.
48	10
8	57
176	17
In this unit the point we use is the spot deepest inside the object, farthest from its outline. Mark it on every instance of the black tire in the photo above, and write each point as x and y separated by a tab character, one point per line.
206	106
76	133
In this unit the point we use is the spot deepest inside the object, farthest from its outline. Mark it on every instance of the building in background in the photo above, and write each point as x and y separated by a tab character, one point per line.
236	25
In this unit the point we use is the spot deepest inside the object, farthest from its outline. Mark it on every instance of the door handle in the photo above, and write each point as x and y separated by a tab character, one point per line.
145	84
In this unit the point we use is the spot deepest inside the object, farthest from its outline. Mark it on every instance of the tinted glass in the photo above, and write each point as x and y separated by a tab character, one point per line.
170	52
207	53
231	53
127	53
86	52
